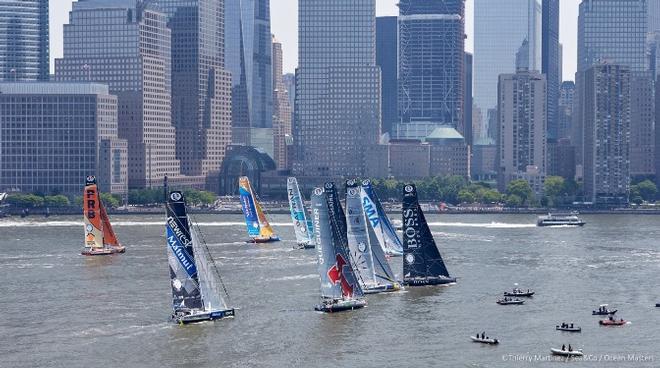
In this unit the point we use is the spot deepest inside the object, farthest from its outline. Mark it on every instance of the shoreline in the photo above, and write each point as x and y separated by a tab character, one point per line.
41	212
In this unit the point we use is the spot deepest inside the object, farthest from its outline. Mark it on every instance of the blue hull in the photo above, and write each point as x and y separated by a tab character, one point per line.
208	316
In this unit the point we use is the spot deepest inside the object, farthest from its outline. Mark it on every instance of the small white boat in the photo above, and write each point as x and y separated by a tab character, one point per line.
569	328
487	341
567	353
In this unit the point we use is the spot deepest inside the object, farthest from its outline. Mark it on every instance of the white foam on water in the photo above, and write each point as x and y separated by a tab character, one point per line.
491	225
296	277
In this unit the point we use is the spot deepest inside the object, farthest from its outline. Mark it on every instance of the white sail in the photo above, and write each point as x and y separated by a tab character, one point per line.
358	238
298	215
207	272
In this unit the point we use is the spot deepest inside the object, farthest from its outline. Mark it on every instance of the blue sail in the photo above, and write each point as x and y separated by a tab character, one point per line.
385	232
249	209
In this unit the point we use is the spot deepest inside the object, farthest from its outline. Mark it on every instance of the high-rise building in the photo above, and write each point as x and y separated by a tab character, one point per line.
338	87
607	133
281	110
551	63
654	15
201	87
468	101
24	44
290	85
502	29
53	135
127	47
432	63
387	36
642	125
522	116
565	112
614	31
248	58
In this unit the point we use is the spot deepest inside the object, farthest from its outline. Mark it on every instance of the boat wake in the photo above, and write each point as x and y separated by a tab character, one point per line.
491	225
296	277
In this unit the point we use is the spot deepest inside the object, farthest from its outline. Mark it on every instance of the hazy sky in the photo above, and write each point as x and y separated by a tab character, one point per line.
283	12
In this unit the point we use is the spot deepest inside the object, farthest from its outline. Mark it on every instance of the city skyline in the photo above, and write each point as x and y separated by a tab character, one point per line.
286	31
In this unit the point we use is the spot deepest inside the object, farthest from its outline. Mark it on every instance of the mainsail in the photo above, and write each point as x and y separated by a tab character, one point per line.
358	238
210	283
248	206
99	234
324	245
186	292
341	266
298	215
385	232
384	273
422	259
255	218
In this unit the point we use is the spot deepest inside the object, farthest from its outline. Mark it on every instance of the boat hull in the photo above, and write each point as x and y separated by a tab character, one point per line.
205	316
263	240
566	353
568	329
612	323
657	305
519	295
104	251
305	246
382	289
557	224
429	281
606	313
341	306
515	302
485	341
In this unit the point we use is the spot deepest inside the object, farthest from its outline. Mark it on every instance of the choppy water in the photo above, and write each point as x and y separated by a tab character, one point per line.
60	309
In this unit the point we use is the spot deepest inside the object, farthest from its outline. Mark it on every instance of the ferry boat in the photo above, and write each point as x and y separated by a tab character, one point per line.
559	219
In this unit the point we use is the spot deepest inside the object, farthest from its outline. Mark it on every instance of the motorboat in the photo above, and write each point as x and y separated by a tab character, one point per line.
568	328
507	301
487	340
519	293
603	310
571	219
567	353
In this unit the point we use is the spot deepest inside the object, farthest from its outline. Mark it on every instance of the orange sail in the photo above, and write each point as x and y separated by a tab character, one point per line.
100	239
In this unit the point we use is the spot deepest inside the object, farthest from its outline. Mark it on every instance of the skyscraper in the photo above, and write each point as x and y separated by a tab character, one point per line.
614	31
502	29
431	64
24	45
387	30
522	118
565	112
248	58
127	47
654	15
468	101
201	87
53	135
551	63
338	87
281	110
607	133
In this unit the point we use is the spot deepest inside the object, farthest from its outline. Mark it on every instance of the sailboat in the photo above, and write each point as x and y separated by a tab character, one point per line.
374	273
258	227
196	282
340	290
378	220
100	239
422	263
304	235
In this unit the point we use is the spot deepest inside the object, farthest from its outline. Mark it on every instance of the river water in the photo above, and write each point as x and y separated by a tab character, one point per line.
60	309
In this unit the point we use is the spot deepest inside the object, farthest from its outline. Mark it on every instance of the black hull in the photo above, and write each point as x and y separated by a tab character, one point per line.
520	295
203	317
575	224
608	313
335	308
657	305
431	281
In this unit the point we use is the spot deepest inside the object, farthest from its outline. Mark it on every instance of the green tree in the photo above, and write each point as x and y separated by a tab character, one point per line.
513	200
491	196
521	189
25	200
647	190
56	201
554	188
466	196
110	201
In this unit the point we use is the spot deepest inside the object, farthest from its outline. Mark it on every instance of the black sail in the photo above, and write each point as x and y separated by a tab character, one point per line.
421	258
180	256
